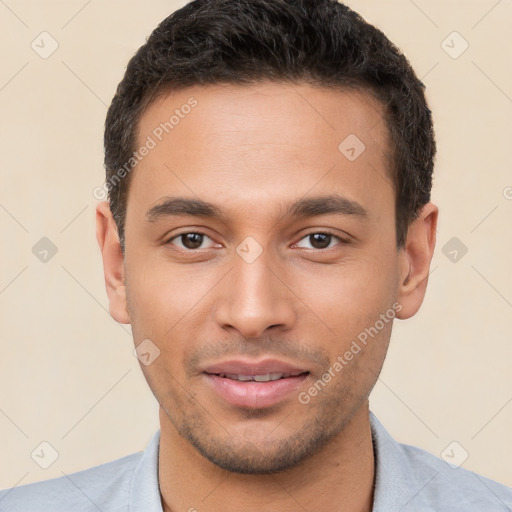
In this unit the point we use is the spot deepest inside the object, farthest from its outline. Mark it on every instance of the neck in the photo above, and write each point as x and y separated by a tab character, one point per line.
340	477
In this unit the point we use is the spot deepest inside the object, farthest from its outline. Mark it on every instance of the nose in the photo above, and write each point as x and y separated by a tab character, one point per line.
255	297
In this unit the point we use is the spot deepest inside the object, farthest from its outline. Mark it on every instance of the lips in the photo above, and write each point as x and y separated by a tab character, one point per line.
257	378
254	384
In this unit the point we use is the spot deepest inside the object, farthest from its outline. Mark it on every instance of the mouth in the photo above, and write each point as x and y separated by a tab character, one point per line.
254	384
267	377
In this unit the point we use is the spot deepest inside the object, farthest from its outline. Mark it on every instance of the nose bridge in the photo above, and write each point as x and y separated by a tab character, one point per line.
255	298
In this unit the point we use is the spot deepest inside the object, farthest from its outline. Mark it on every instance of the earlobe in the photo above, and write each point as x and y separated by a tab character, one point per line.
113	262
415	261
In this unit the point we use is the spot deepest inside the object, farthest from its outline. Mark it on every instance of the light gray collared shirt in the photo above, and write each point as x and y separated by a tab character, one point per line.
407	479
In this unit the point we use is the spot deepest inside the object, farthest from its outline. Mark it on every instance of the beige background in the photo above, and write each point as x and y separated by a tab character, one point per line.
67	372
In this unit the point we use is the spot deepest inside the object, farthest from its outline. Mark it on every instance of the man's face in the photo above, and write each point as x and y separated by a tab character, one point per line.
260	291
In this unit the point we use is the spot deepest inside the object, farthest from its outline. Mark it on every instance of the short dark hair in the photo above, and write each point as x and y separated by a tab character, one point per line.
320	42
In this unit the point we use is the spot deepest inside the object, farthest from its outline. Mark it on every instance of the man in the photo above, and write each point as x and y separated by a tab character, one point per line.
269	167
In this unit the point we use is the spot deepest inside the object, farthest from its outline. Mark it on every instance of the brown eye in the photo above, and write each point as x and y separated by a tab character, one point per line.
189	241
320	240
192	240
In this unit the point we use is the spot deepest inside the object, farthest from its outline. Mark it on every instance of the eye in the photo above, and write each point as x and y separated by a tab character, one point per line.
190	240
321	240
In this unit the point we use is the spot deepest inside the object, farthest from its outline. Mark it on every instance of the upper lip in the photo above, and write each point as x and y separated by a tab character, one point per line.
263	367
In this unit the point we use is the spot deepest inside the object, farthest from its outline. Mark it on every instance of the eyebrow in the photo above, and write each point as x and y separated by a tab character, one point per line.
310	207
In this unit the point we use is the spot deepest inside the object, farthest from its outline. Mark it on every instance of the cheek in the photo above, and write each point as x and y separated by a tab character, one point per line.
350	297
160	294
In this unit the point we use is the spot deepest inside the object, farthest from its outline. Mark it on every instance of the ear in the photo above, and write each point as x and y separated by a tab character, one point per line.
113	262
415	260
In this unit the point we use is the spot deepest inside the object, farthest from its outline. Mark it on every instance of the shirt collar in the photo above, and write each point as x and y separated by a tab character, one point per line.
394	485
397	482
144	487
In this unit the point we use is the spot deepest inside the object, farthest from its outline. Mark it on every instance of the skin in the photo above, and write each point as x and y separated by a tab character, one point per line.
250	150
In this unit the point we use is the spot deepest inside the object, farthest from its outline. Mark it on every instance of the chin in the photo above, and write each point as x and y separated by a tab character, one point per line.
263	456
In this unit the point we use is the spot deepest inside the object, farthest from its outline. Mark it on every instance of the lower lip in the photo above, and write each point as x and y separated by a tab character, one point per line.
254	395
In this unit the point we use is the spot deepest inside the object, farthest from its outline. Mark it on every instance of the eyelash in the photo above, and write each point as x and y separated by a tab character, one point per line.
341	241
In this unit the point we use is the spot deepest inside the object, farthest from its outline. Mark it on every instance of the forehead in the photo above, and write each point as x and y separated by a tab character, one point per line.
245	143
